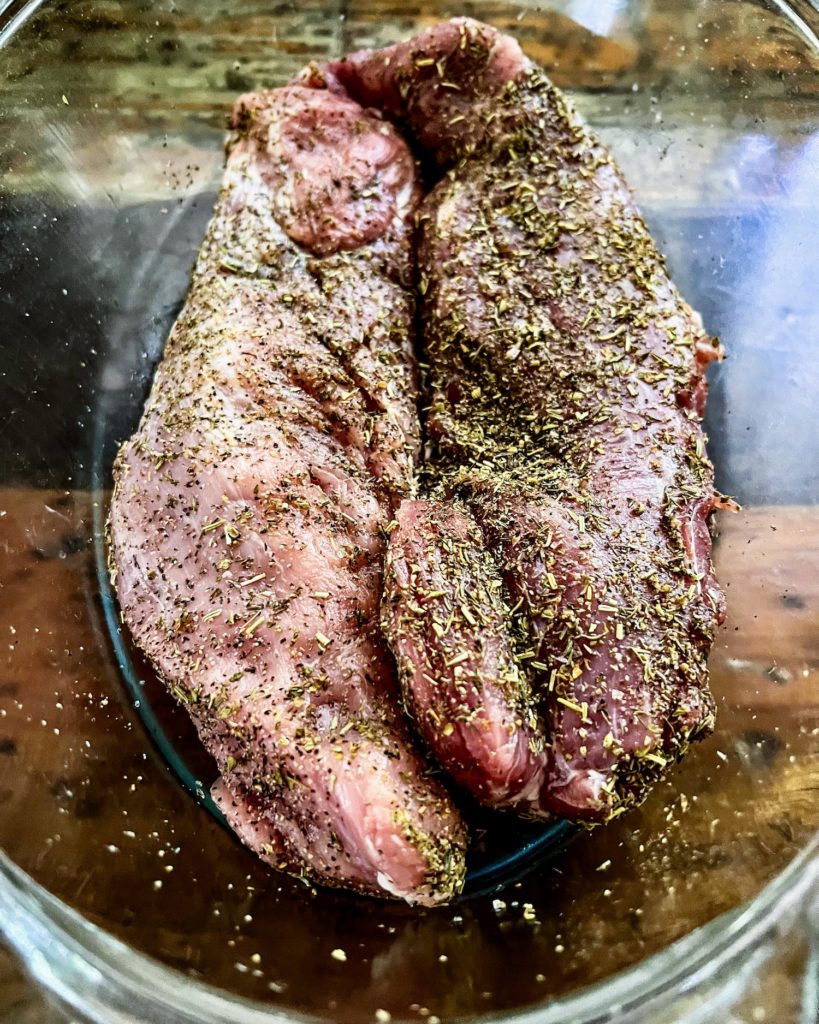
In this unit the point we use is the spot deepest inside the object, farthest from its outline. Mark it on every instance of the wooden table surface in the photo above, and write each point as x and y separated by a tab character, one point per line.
764	664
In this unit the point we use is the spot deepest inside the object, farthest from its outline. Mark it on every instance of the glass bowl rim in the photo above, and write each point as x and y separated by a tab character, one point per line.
97	975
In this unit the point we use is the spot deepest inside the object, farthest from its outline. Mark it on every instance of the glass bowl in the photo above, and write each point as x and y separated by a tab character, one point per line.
124	898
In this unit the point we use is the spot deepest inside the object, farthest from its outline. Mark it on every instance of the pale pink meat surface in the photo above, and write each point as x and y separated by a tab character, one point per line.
567	391
250	507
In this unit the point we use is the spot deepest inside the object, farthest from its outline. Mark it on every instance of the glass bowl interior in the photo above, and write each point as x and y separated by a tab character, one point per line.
111	130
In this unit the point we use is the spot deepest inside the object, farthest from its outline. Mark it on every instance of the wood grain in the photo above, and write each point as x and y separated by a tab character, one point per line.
79	777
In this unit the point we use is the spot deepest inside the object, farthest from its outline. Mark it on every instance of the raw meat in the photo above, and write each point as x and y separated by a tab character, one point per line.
250	507
560	563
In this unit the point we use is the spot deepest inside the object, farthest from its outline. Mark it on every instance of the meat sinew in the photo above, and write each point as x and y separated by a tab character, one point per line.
250	508
561	560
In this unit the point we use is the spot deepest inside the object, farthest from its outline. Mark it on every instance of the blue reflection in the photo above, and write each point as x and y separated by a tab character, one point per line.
598	16
752	268
771	393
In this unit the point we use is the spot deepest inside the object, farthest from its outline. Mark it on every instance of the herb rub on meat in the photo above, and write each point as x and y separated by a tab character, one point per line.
250	507
551	601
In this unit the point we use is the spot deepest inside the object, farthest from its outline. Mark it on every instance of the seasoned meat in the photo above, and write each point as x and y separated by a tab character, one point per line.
466	690
250	508
572	571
